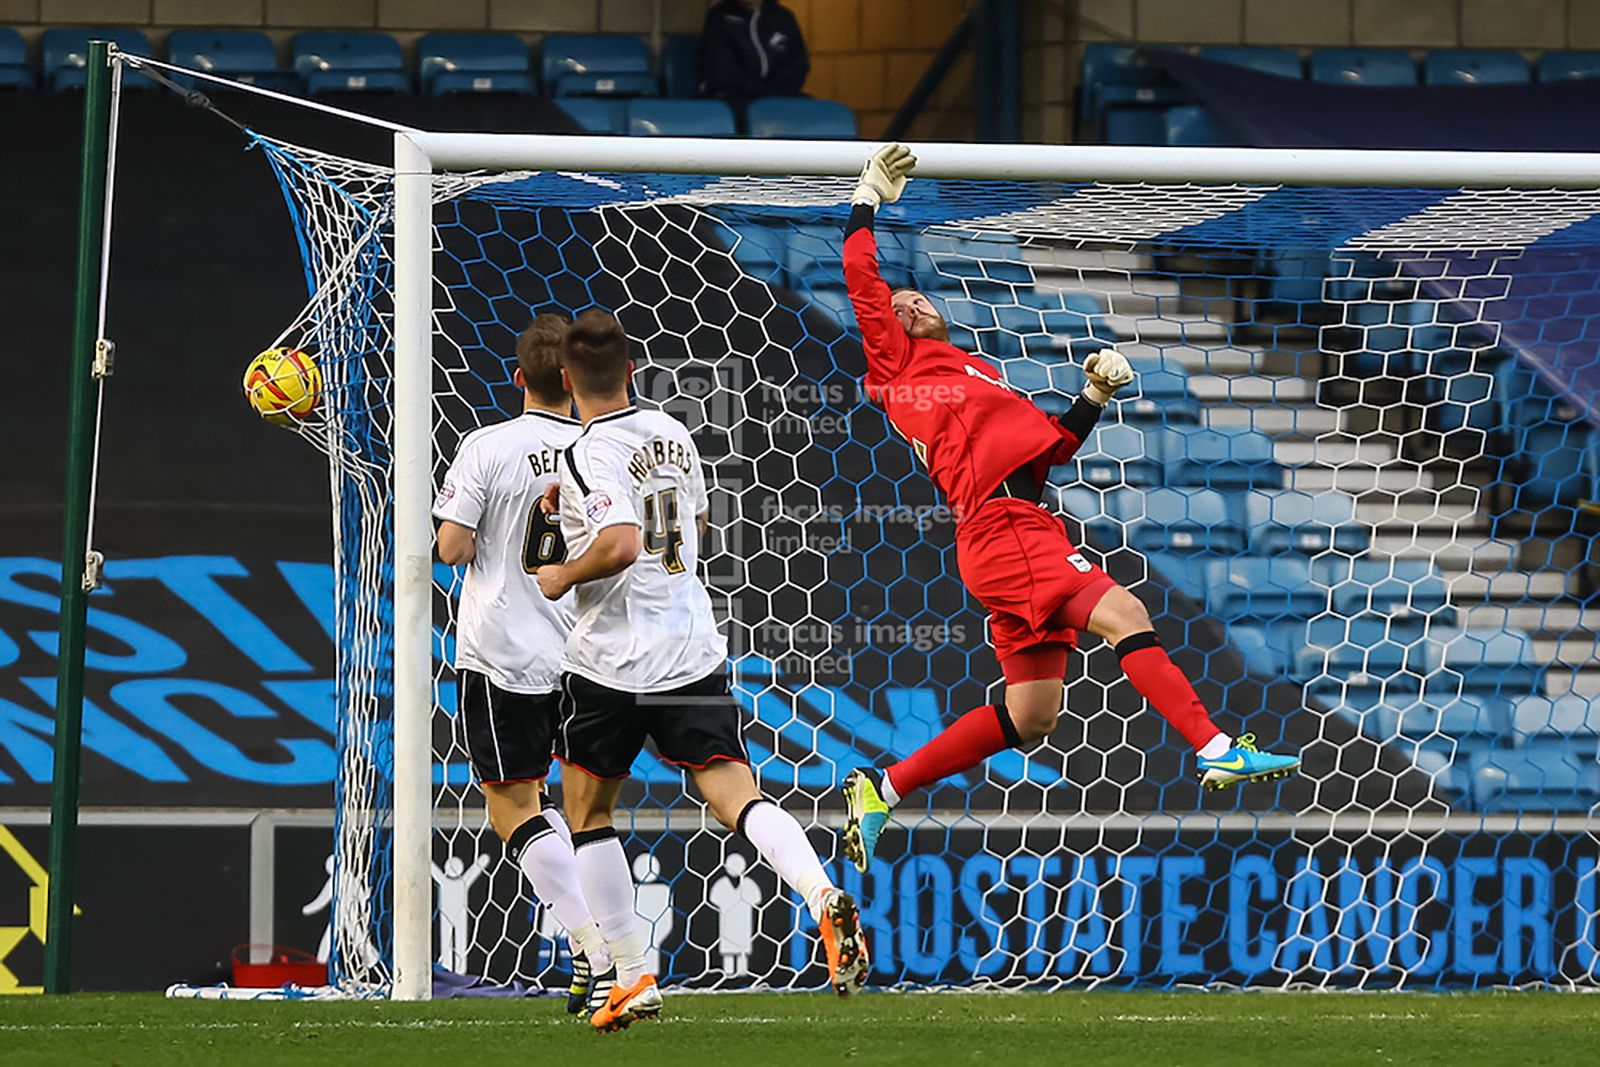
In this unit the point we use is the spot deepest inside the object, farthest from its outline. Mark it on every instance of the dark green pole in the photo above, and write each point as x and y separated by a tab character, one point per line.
75	525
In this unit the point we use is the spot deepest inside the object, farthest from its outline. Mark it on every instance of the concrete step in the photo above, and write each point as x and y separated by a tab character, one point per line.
1547	620
1383	511
1193	331
1251	389
1511	587
1445	554
1334	451
1573	650
1283	421
1066	259
1584	683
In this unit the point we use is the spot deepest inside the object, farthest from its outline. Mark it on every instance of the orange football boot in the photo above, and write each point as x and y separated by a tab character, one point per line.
845	943
642	1000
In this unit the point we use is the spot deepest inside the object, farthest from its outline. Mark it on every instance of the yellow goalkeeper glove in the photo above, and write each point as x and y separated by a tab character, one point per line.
1107	371
884	177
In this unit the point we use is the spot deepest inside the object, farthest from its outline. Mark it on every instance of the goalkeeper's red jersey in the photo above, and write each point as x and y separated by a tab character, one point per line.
955	409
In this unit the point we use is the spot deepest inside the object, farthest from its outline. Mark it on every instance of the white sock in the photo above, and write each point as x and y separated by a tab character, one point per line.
547	862
558	823
1214	748
782	843
608	885
887	791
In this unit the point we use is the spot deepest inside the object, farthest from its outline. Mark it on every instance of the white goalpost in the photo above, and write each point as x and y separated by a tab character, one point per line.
1352	485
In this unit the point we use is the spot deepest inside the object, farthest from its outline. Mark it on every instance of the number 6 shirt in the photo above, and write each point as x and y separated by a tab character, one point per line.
649	628
505	628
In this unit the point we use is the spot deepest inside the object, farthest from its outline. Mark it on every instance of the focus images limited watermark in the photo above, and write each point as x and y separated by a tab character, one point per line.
827	648
827	528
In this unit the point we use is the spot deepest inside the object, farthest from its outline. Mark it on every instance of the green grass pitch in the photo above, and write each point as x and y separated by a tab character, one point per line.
877	1029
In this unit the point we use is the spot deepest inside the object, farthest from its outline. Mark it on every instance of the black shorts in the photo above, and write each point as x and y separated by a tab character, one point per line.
509	735
603	730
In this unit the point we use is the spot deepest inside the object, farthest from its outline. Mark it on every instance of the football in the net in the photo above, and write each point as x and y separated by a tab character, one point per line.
283	385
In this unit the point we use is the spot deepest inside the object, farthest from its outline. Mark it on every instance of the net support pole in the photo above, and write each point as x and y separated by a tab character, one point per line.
75	526
413	570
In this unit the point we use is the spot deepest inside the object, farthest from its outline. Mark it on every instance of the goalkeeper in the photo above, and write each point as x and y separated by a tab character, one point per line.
989	451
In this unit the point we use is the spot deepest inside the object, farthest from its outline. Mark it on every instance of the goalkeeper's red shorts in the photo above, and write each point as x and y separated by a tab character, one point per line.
1016	558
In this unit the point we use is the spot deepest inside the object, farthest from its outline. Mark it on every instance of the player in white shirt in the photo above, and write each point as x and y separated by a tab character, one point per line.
645	660
509	636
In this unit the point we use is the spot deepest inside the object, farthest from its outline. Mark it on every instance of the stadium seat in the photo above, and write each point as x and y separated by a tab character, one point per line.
1398	588
247	56
1547	440
1460	394
1475	66
1567	66
1250	587
1345	646
800	117
1117	455
1235	458
1099	513
1123	95
680	118
1570	716
350	62
1521	780
1182	521
1160	394
15	72
474	63
680	66
1498	662
65	53
1192	125
1284	62
597	64
1296	521
1454	738
596	114
1363	66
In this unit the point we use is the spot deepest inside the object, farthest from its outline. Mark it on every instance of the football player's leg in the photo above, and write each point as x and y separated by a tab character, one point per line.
1117	616
601	738
700	728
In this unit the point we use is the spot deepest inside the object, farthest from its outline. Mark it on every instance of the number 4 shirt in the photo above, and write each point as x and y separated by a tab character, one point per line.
505	628
649	628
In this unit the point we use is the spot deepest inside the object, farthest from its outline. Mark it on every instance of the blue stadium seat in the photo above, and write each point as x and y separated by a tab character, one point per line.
680	66
1124	96
800	117
1182	521
1191	125
597	64
65	52
1296	521
1487	660
1521	780
1363	66
1546	438
1251	587
984	269
1117	455
350	62
474	63
1460	392
1572	716
247	56
1160	394
598	114
1567	66
1399	588
1475	66
1100	513
1455	738
15	72
680	118
1236	458
1350	645
1284	62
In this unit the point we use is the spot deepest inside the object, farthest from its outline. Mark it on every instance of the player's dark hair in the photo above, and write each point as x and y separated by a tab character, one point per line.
539	356
595	353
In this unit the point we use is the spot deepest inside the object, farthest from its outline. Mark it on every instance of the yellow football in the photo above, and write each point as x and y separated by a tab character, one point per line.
283	385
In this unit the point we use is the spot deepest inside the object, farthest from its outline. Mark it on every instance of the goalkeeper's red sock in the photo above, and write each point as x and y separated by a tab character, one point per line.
1150	670
968	741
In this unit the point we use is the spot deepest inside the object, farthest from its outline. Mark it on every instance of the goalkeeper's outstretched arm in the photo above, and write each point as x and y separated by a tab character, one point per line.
882	337
1105	372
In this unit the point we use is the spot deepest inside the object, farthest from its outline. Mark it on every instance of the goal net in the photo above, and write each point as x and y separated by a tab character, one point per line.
1351	482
